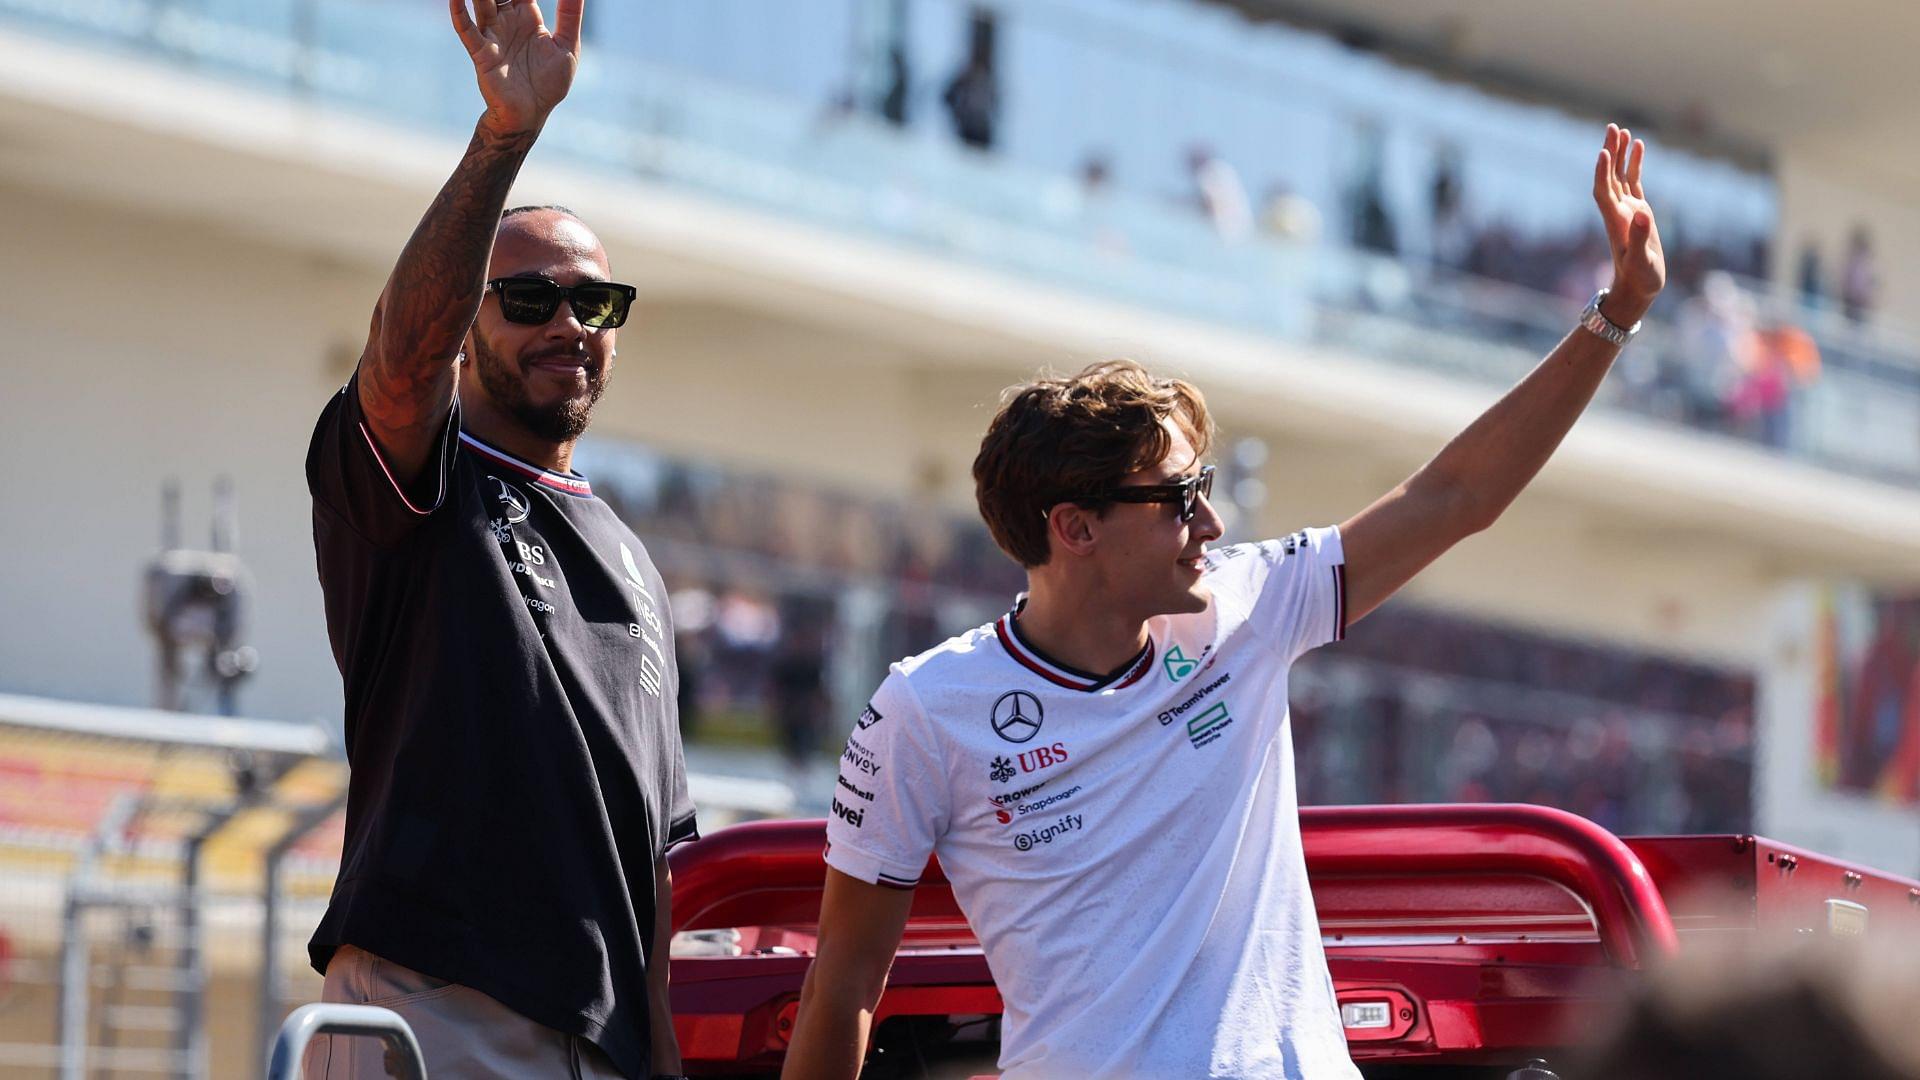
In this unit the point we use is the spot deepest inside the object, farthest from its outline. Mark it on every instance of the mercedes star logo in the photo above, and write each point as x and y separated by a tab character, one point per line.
1017	715
510	497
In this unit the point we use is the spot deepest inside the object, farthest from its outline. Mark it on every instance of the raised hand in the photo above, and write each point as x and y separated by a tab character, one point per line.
524	70
1639	265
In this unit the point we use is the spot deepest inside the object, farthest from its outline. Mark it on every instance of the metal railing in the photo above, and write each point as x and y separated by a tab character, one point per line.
367	1021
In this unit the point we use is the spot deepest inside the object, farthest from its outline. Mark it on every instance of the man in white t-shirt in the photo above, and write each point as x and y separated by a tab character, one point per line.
1106	771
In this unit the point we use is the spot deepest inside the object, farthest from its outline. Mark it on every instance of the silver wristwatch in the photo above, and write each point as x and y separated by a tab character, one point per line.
1601	326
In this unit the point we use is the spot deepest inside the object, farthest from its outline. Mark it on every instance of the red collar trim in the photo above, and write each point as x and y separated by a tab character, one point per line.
565	483
1061	675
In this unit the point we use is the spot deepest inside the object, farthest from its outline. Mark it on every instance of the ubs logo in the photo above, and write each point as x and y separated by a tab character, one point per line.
1017	716
510	497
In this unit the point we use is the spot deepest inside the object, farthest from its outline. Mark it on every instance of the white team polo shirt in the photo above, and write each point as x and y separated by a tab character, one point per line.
1127	849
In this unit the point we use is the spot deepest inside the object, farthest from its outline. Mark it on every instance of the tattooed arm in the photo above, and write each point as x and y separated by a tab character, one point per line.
407	371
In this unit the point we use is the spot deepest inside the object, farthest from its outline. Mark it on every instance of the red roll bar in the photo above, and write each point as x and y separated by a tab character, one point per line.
770	873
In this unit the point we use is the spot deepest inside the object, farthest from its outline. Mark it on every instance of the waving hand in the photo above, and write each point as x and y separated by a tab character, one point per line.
524	69
1639	265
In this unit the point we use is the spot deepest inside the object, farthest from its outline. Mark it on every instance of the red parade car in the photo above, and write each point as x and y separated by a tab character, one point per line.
1464	941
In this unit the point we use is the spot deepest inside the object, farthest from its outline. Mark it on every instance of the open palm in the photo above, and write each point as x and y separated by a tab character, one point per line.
524	70
1639	264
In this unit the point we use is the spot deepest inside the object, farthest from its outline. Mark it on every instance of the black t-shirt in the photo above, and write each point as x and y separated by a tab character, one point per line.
511	729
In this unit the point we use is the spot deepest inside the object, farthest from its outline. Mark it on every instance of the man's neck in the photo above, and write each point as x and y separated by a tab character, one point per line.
483	421
1066	621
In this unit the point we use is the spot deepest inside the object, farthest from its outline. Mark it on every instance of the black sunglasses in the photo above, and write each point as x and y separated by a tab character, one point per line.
1185	492
530	301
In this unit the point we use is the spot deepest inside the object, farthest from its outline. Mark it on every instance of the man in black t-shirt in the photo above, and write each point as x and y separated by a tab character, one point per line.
504	640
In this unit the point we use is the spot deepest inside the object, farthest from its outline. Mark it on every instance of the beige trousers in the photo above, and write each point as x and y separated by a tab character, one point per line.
463	1032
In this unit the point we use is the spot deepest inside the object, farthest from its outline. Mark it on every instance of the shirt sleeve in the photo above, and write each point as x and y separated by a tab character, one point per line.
348	475
890	799
682	824
1296	588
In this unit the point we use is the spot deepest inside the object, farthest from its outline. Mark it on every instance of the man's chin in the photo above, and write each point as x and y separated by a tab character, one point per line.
1194	598
558	422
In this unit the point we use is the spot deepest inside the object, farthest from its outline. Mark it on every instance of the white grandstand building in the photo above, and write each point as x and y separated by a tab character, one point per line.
202	199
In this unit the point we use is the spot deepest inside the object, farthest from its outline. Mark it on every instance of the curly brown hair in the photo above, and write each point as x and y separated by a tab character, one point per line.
1063	439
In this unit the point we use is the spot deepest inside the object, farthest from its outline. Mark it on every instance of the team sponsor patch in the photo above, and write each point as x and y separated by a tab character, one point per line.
1001	770
1011	797
848	784
1006	808
1047	834
848	814
1178	665
1168	716
869	716
1042	757
1209	725
860	758
1017	716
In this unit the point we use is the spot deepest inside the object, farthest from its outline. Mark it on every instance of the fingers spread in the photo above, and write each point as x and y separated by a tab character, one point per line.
567	17
463	23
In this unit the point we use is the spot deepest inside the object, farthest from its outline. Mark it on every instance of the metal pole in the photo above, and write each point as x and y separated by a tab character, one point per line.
76	983
71	1032
304	822
190	1037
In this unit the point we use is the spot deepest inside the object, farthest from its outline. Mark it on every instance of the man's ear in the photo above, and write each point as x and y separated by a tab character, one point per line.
1073	529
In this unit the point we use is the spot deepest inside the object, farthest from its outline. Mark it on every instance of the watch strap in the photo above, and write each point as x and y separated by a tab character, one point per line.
1596	323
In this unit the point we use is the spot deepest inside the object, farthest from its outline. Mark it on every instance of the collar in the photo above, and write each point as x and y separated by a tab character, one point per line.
567	483
1007	629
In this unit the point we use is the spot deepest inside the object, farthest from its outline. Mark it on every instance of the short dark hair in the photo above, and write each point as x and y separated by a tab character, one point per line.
515	211
1060	439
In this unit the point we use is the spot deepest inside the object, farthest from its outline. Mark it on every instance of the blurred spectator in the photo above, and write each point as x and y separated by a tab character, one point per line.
1772	1010
1219	194
1373	225
1096	189
1426	707
1717	341
1452	238
899	90
797	684
1813	283
1786	361
1096	174
1290	216
1860	278
692	619
973	94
